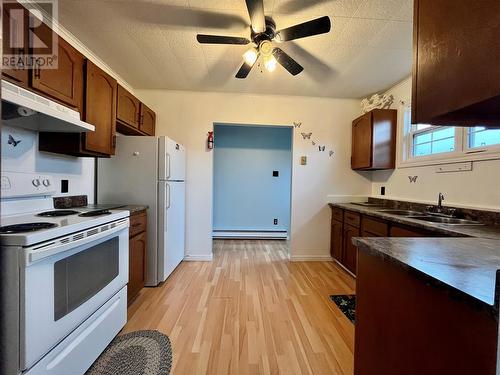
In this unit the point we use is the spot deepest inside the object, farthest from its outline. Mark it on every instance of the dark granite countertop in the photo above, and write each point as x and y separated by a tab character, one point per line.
482	231
464	266
132	208
467	267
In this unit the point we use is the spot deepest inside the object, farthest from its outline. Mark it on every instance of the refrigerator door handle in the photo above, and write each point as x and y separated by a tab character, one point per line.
168	199
168	165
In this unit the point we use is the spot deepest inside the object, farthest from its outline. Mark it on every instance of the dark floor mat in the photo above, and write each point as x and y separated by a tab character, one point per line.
346	304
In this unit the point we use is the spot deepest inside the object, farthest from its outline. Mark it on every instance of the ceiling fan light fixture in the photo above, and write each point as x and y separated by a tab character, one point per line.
266	48
250	56
270	63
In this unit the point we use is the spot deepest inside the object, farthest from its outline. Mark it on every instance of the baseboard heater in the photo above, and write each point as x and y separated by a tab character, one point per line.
250	234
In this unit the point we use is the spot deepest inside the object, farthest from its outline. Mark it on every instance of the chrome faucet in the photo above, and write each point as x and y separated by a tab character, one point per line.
440	202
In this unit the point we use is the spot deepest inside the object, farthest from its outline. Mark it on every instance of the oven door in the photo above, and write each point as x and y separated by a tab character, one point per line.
65	281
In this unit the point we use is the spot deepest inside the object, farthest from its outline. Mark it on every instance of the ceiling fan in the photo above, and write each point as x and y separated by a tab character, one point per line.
263	33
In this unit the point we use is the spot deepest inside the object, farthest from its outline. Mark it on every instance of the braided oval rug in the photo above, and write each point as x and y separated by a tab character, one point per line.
134	353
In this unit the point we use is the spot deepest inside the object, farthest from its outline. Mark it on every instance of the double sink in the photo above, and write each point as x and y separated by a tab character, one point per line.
422	216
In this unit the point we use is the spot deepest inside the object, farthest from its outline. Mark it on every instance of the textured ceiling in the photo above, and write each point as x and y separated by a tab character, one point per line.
152	44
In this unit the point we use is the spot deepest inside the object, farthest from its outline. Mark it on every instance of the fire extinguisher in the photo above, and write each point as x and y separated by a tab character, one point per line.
210	140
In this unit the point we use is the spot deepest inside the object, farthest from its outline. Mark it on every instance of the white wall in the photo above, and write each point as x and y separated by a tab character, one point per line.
188	116
25	157
478	188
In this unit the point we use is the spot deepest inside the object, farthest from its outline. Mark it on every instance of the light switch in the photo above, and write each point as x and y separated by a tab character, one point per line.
303	160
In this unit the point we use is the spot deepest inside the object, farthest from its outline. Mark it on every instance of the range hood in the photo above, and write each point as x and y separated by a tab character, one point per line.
25	109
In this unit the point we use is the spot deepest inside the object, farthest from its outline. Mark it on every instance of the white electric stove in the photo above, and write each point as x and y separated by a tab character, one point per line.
69	269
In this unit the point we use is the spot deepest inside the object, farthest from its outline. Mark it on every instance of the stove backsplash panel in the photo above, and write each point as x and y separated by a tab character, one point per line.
20	153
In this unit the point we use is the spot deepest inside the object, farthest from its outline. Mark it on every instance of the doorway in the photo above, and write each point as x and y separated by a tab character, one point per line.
252	181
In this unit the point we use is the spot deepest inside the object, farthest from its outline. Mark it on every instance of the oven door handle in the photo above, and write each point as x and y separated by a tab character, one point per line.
50	248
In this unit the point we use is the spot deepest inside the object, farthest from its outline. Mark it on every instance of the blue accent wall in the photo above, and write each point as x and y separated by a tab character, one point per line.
246	195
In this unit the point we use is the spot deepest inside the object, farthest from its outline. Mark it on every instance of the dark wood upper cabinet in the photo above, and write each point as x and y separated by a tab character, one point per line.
132	116
100	110
374	140
127	109
456	54
148	120
15	41
64	84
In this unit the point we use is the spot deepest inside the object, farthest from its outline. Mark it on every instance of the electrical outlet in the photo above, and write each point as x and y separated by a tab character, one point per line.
275	221
303	160
382	190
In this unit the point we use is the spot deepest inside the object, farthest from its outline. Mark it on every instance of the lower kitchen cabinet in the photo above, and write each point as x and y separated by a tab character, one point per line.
336	245
407	325
350	251
137	254
347	224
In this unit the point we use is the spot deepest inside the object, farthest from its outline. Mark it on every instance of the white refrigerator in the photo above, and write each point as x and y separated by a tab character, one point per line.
151	171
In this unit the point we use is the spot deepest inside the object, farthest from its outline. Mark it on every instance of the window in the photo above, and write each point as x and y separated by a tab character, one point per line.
433	140
428	144
482	137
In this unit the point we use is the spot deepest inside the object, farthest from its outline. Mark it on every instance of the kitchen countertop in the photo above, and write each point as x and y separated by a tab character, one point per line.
132	208
467	267
482	231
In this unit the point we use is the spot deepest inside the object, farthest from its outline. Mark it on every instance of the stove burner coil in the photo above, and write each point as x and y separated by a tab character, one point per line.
25	227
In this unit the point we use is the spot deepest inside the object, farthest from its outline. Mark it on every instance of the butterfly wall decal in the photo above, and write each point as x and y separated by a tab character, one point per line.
330	153
321	148
12	141
297	125
306	135
413	179
313	143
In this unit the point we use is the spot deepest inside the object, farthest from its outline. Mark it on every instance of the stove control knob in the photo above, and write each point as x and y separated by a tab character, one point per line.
36	182
46	182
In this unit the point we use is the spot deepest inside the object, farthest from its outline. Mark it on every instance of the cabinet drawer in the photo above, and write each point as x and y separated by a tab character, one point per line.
406	231
370	227
138	223
337	214
352	218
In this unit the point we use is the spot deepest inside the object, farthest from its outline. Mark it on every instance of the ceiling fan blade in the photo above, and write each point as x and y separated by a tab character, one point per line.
220	39
245	69
256	12
287	62
315	27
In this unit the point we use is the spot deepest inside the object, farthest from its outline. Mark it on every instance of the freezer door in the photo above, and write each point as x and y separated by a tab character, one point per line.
171	229
175	161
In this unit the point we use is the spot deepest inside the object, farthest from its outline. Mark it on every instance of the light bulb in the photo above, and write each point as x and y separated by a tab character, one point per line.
270	64
250	56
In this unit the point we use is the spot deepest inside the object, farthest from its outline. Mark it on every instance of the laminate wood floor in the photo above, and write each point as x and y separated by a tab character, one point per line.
251	311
